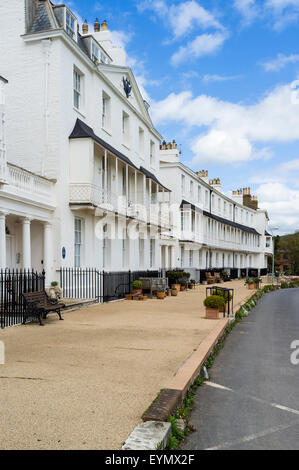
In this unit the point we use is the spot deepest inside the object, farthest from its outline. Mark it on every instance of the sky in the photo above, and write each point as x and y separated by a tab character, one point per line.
222	79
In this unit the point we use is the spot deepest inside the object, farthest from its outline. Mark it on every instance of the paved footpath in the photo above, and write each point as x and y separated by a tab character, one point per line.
252	398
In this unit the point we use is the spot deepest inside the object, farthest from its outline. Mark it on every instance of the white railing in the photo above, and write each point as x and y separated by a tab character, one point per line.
26	182
231	245
87	193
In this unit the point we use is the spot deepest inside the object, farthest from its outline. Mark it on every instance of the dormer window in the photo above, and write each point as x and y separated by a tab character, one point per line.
94	52
70	25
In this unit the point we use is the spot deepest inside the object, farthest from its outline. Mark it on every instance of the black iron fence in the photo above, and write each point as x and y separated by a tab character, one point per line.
103	286
13	284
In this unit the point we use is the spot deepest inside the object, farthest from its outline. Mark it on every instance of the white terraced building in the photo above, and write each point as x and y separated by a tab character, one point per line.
83	182
82	150
212	231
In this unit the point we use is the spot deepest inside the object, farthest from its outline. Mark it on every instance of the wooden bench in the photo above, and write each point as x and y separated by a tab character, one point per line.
38	304
210	278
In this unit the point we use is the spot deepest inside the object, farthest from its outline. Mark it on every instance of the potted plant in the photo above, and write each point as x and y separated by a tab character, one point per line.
213	304
253	283
137	287
183	285
54	292
227	296
225	276
174	292
191	284
161	294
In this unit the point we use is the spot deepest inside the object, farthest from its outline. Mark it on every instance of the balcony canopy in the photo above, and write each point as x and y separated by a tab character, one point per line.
83	131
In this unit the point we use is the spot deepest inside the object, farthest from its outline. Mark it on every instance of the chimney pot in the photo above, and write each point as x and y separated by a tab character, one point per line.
104	26
85	27
97	26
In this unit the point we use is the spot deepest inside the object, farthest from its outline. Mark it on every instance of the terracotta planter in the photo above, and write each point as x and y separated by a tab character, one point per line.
212	313
191	286
252	286
174	293
161	295
182	288
137	291
176	286
129	296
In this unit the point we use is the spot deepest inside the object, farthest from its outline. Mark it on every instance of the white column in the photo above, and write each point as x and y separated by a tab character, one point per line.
166	257
106	177
117	194
26	237
48	253
2	240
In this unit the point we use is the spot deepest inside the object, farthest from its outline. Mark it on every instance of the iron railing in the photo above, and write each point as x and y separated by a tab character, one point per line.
14	283
102	286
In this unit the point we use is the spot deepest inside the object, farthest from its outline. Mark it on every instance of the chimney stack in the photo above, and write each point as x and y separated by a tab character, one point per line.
85	27
97	26
105	26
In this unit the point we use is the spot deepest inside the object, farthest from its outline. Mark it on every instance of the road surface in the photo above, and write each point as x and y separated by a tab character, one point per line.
251	400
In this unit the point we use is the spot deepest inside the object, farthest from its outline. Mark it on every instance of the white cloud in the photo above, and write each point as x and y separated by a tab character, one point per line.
219	78
183	17
232	133
279	13
280	62
281	202
248	9
202	45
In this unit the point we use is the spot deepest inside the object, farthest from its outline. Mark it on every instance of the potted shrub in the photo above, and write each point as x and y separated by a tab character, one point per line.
191	284
227	296
213	304
54	292
137	287
250	283
161	294
253	283
183	285
174	292
173	277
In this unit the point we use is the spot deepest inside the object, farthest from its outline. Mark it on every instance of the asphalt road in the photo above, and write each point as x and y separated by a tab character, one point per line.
251	400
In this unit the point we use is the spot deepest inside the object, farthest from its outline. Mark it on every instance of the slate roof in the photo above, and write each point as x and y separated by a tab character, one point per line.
231	223
83	131
41	21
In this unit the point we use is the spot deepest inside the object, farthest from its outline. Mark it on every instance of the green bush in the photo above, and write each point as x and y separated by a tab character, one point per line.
137	285
225	294
54	284
214	301
284	285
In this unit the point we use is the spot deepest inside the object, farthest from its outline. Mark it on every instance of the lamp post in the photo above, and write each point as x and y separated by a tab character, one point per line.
273	254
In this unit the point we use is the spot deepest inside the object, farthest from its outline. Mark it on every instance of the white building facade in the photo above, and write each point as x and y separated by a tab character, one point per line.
83	182
79	132
211	231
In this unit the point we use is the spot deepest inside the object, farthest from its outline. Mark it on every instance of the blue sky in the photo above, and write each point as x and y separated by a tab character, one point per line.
221	79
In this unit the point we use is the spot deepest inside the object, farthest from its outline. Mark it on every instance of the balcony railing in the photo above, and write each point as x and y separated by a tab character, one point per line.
86	193
28	184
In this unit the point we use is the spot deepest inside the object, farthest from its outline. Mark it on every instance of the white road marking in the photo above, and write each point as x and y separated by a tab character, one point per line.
252	437
260	400
221	387
285	408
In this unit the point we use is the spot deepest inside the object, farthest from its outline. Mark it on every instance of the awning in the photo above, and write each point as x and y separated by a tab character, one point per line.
83	131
